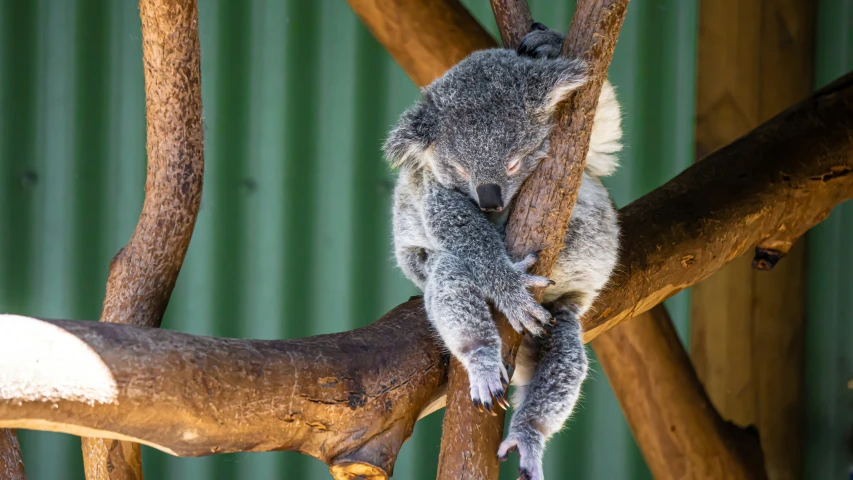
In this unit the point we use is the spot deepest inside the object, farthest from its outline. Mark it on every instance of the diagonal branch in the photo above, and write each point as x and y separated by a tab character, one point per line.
191	395
143	273
11	462
426	37
539	220
675	424
778	181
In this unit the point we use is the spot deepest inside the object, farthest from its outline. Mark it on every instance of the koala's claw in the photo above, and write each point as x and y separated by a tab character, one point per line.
529	316
505	455
531	280
488	387
528	261
529	445
501	400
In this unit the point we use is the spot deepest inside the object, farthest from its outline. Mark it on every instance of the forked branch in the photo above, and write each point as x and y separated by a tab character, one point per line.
359	393
143	273
539	220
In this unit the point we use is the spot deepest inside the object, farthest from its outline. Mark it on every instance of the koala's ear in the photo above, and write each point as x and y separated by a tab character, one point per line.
551	81
409	142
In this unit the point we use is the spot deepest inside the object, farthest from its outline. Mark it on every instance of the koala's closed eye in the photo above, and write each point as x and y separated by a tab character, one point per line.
513	166
461	170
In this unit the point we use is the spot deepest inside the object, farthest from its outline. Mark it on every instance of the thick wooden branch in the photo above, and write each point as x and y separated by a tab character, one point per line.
778	181
11	462
144	272
426	37
677	428
514	20
191	395
348	399
539	219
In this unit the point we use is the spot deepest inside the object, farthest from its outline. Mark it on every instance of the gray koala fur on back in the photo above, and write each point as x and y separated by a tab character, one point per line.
463	151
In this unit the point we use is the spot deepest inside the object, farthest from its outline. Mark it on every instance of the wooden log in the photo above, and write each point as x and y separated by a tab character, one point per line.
782	179
348	399
11	461
143	273
747	326
539	220
426	37
679	432
772	178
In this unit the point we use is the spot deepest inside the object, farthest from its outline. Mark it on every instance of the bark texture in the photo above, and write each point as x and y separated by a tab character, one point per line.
778	181
747	327
143	273
191	395
514	20
679	432
11	461
538	222
348	399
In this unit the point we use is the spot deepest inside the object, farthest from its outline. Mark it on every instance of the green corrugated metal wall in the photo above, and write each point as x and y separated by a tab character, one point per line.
297	97
829	329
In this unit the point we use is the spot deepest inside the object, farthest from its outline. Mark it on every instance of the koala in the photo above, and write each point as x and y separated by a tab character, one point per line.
463	151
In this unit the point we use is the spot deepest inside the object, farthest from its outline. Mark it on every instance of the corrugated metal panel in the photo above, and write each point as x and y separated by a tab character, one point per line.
294	222
829	331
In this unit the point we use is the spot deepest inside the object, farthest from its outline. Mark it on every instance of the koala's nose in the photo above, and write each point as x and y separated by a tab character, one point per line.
489	198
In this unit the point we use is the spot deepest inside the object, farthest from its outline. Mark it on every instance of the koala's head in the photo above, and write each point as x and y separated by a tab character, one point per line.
483	127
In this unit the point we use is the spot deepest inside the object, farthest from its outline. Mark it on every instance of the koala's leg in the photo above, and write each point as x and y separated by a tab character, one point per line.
547	400
458	310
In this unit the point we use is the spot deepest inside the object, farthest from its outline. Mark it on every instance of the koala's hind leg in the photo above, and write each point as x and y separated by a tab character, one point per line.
458	310
546	401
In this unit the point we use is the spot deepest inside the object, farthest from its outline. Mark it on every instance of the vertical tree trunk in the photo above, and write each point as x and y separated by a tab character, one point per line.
538	222
144	272
755	59
679	432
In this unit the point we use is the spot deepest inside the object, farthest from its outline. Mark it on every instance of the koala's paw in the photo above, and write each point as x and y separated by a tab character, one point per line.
529	443
517	303
541	43
489	382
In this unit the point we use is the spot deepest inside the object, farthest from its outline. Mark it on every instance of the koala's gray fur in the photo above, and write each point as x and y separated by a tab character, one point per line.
491	109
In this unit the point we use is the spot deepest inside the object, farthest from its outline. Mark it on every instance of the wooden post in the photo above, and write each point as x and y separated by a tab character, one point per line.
679	432
755	59
144	272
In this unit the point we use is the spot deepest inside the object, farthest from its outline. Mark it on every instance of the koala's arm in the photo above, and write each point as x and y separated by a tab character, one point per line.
456	225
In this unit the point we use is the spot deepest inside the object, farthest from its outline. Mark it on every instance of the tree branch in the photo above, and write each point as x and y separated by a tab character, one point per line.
426	37
778	181
11	462
348	399
539	220
191	395
670	415
143	273
514	20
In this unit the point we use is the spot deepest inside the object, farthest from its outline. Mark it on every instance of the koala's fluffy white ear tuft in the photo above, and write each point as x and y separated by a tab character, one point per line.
561	76
409	142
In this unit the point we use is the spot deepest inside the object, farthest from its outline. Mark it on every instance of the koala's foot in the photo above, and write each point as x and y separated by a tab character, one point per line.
530	445
489	381
516	302
541	43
